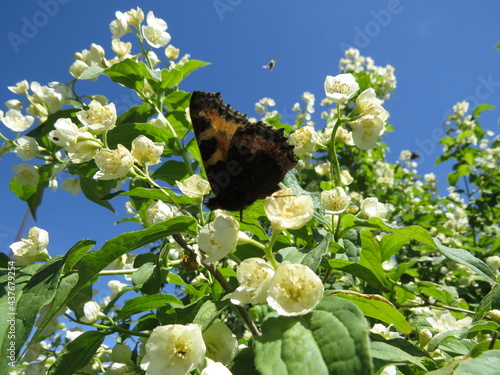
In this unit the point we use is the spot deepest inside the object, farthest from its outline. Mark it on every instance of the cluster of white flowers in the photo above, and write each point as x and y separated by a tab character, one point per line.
303	116
293	289
369	117
263	107
382	77
370	125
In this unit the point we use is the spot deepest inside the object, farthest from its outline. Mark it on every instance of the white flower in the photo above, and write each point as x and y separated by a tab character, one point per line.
32	249
119	26
158	212
335	201
371	207
21	87
72	185
145	151
220	237
322	169
366	99
294	289
113	164
135	17
173	349
288	211
341	88
26	174
254	276
221	344
80	144
171	52
122	49
77	68
384	331
155	31
27	148
116	287
12	104
98	118
493	262
389	370
305	140
194	186
445	321
118	369
215	368
343	136
91	311
66	133
86	59
345	177
16	121
366	131
86	147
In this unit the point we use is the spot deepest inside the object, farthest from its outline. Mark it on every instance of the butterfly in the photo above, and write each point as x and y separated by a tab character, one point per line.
244	161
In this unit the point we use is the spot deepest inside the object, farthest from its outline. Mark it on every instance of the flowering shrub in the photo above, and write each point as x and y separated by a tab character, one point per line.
356	266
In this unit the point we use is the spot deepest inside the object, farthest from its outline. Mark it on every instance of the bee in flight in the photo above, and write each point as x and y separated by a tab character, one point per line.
271	63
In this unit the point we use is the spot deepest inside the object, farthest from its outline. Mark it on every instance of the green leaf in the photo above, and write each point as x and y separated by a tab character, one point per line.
96	190
208	312
391	244
371	256
377	307
332	339
145	303
244	363
92	72
96	261
464	257
77	353
156	194
480	108
170	78
171	171
76	253
190	66
413	232
392	354
148	276
125	133
11	291
40	290
32	195
358	270
129	73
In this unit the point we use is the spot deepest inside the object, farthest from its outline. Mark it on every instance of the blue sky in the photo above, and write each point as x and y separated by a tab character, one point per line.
442	51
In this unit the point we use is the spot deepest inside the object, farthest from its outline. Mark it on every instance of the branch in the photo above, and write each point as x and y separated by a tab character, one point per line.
222	281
